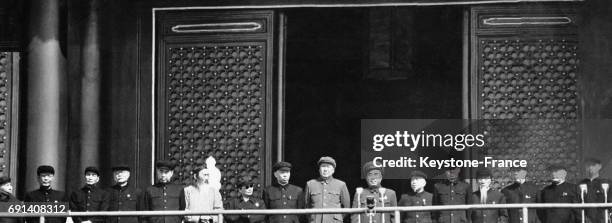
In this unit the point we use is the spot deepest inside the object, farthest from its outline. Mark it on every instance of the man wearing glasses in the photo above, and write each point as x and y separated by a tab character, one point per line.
246	201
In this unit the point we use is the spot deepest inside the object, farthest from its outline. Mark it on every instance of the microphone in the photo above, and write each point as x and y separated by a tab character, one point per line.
583	190
359	190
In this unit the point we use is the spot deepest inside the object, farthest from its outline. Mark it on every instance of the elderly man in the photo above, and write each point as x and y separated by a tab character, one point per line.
123	196
326	192
452	192
594	191
90	197
382	197
201	196
486	195
559	192
46	175
418	197
163	195
521	192
283	195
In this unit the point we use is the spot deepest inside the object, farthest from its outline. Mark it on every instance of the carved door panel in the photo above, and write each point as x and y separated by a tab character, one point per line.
213	89
9	77
524	86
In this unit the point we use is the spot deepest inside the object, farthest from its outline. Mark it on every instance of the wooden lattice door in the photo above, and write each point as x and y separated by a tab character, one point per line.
214	75
524	86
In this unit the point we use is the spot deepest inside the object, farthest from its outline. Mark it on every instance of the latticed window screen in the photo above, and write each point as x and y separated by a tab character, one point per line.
214	94
8	73
526	89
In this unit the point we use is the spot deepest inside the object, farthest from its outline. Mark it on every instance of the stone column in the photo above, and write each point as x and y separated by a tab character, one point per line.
90	86
45	139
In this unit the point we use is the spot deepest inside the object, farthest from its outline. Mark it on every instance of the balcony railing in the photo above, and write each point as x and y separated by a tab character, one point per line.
395	210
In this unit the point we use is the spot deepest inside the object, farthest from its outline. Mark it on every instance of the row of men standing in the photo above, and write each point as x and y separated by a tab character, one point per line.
326	191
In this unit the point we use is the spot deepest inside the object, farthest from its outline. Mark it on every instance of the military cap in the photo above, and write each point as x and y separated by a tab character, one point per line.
418	173
164	164
555	167
592	161
328	160
45	169
369	166
121	167
483	173
92	169
4	180
518	168
281	166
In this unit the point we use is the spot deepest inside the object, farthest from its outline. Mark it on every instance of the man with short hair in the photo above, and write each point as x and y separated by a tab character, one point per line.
486	195
163	195
283	195
594	192
6	195
245	201
521	192
559	191
123	196
46	175
326	192
417	197
90	197
452	192
383	197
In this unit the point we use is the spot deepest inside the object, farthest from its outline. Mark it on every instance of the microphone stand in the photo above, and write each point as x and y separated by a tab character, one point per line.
605	187
583	190
359	190
382	202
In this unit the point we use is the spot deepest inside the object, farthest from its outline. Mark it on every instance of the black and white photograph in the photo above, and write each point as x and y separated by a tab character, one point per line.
305	111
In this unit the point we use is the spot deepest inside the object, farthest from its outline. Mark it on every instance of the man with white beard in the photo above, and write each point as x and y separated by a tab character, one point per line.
418	197
383	197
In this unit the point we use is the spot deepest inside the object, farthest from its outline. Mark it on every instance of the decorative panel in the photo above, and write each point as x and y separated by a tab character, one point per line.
8	64
214	92
525	81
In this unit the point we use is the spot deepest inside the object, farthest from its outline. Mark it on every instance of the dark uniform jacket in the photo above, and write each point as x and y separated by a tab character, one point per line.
89	198
452	193
46	194
524	193
162	197
241	204
485	215
595	194
8	197
288	196
326	193
562	193
389	199
416	199
125	198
